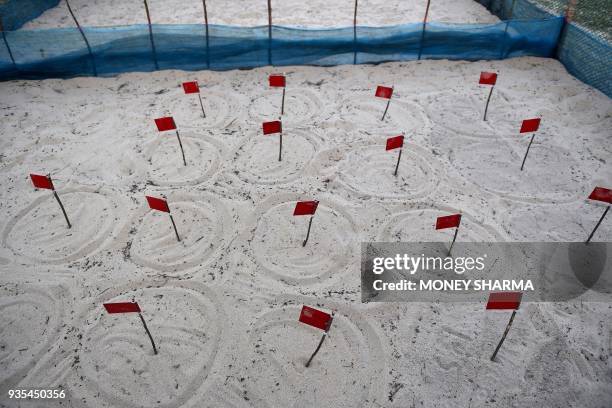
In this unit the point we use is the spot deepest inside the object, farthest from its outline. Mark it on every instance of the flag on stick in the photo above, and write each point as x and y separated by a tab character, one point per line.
167	123
603	195
395	143
504	301
488	78
449	221
318	319
306	208
191	88
274	127
159	204
278	81
45	182
528	126
386	93
130	307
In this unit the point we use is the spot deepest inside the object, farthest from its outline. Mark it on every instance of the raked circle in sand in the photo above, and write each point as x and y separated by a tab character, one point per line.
221	110
277	240
40	232
302	106
202	224
116	354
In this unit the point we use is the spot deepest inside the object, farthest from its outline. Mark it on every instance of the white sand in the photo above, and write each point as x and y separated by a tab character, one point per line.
223	304
312	13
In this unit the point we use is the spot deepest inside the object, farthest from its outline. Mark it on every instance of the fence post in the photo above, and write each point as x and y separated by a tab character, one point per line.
423	32
93	61
570	10
206	24
269	32
501	56
151	35
7	44
355	34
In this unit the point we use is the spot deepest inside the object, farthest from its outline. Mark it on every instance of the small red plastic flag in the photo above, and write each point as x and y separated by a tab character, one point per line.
42	181
384	92
315	318
158	204
395	142
305	208
272	127
449	221
504	301
601	194
530	125
191	87
122	307
166	123
488	78
277	81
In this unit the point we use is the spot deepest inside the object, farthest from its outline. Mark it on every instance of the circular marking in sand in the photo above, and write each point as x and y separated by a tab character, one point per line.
166	168
257	159
365	112
369	170
302	106
40	232
117	360
30	319
280	347
220	107
548	172
463	114
202	224
418	225
277	241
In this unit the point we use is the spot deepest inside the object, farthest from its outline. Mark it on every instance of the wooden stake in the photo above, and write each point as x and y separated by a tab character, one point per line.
207	45
355	34
148	333
175	231
487	105
91	56
7	44
424	25
504	336
151	35
181	146
527	152
201	105
597	226
308	233
399	156
269	32
453	242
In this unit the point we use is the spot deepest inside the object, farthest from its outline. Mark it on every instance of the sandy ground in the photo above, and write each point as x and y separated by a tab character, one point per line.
314	13
223	304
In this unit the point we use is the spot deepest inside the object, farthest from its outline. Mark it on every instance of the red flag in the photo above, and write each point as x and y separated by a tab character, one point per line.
42	181
395	142
166	123
601	194
488	78
316	318
305	208
191	87
504	301
123	307
272	127
277	81
449	221
158	204
530	125
384	92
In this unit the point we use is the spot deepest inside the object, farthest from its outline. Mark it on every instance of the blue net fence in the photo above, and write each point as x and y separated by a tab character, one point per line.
529	28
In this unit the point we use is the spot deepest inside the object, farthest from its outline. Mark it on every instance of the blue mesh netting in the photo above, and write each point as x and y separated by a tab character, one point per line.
586	56
15	13
62	52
